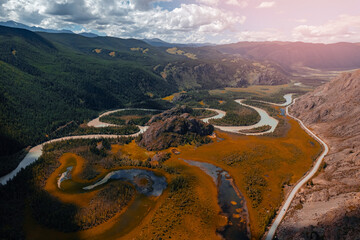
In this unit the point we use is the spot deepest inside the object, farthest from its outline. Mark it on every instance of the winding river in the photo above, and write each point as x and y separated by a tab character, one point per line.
265	118
36	151
227	190
154	185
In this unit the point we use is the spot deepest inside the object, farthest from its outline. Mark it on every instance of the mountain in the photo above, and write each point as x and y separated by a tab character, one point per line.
329	207
44	85
34	29
88	34
50	79
292	55
156	42
14	24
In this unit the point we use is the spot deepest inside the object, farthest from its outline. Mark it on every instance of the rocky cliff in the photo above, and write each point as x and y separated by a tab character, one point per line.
227	73
174	127
329	207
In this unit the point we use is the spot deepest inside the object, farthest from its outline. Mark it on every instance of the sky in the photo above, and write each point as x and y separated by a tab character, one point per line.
195	21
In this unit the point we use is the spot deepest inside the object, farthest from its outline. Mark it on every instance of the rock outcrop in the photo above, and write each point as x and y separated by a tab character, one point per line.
174	127
329	207
230	73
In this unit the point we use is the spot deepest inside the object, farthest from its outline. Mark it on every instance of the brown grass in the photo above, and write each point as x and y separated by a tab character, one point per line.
277	160
193	213
66	160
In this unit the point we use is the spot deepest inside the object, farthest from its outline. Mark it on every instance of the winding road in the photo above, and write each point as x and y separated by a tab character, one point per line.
311	173
36	151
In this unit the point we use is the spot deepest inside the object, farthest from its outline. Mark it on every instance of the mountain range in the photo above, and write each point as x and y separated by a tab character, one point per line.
295	56
69	77
50	79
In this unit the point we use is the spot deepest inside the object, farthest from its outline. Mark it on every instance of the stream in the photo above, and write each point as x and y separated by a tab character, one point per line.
230	200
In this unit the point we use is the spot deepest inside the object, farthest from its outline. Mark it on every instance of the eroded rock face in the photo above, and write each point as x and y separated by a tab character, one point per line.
172	128
329	208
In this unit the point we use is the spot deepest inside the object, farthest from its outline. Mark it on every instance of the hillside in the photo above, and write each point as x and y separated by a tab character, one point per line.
292	55
50	79
45	85
329	207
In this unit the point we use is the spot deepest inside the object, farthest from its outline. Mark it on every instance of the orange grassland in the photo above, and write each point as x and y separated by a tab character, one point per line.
169	216
278	159
193	212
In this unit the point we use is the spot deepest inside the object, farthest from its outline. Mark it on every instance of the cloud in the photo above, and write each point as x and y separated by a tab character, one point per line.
209	2
145	5
265	35
344	28
76	11
189	21
303	20
239	3
125	18
266	5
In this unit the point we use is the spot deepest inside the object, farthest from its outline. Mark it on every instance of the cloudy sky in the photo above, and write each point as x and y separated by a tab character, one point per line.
216	21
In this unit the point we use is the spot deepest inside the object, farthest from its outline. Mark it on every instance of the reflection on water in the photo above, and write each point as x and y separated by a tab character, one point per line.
230	200
145	181
64	176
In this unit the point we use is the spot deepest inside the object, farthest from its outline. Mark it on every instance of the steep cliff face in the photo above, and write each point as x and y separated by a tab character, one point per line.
329	206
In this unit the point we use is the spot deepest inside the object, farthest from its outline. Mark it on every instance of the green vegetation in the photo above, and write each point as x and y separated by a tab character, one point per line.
49	80
129	117
255	185
203	113
54	79
237	119
120	130
258	129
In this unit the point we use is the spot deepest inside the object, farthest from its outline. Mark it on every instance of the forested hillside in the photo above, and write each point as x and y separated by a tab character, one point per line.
44	85
48	80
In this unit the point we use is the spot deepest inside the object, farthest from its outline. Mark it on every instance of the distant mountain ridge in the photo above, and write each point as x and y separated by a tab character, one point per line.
156	42
14	24
292	55
50	79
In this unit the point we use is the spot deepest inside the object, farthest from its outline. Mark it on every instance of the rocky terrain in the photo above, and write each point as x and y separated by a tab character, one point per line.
329	206
174	127
234	72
